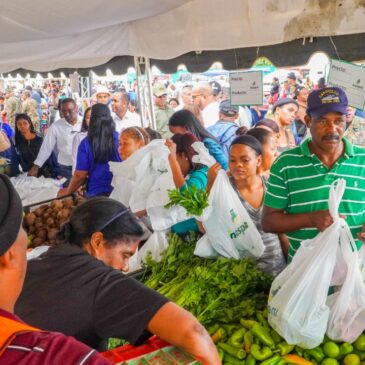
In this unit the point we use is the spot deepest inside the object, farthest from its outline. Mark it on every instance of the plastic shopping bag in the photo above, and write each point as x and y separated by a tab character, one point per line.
297	300
203	157
228	226
204	248
143	180
155	245
347	304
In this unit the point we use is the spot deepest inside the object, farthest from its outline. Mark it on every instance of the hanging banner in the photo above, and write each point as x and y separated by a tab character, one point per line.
351	79
246	88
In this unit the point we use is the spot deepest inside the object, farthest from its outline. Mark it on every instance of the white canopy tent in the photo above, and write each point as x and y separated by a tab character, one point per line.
43	35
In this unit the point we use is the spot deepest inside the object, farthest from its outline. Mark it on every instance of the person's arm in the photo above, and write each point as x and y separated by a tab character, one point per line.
284	243
275	218
78	178
212	175
177	174
277	221
45	151
180	328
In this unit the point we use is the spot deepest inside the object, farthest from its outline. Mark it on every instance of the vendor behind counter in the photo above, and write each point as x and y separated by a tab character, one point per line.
77	287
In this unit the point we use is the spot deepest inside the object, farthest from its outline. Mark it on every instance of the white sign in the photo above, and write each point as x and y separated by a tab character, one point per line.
351	79
246	88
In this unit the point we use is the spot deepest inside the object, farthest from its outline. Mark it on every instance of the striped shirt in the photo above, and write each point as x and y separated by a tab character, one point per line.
299	183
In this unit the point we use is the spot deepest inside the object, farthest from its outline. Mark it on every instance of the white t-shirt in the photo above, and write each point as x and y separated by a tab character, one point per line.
129	120
210	114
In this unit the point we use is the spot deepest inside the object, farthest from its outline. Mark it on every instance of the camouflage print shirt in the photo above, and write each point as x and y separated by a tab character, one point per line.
12	106
355	133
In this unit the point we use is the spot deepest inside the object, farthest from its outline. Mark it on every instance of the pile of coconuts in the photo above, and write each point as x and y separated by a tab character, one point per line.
43	224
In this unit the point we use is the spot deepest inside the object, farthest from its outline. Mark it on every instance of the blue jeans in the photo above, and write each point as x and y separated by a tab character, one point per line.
64	171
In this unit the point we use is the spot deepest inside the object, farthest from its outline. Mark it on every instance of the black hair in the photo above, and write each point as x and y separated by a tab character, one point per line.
185	118
261	134
101	133
153	134
84	126
177	101
18	136
249	141
184	146
66	101
241	131
269	123
93	216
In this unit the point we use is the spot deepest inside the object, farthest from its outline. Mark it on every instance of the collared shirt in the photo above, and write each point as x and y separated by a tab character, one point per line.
44	348
210	114
162	120
59	139
129	120
299	183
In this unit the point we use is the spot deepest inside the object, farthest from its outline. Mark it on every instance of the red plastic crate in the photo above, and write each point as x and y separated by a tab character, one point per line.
128	352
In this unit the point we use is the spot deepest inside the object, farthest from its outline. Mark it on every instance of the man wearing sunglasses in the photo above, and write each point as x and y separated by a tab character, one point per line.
163	111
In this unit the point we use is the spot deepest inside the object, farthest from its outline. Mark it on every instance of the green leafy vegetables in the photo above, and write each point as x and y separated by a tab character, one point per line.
213	290
194	200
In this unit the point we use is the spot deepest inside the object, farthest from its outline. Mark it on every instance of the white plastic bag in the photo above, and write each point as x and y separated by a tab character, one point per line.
347	304
203	157
204	248
36	189
156	245
142	183
297	300
228	226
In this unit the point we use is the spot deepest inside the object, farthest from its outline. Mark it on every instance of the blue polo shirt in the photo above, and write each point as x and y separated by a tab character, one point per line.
99	174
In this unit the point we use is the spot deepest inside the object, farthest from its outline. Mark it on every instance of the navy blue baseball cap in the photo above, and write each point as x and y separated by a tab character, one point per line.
326	100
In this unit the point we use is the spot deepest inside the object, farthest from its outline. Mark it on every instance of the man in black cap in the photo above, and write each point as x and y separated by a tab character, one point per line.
21	344
225	129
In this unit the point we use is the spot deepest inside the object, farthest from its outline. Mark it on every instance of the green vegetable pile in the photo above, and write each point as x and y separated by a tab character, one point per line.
229	297
213	290
194	200
251	341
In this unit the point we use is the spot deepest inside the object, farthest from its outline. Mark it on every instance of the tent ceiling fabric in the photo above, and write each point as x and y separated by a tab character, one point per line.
43	36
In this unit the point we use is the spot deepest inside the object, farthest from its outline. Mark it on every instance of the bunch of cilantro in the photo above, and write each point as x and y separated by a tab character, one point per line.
194	200
214	290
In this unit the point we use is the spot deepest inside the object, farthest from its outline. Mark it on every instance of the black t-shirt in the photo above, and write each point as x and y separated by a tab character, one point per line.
28	151
69	291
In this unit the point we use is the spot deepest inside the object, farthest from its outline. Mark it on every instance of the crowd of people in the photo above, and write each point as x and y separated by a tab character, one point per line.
280	160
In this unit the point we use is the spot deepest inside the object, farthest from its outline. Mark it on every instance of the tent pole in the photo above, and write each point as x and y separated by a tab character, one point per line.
150	95
143	71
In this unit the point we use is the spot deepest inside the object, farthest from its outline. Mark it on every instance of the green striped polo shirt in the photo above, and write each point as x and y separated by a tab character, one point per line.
299	183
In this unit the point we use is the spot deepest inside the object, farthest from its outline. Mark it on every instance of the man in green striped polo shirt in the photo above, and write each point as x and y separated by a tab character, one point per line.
296	201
